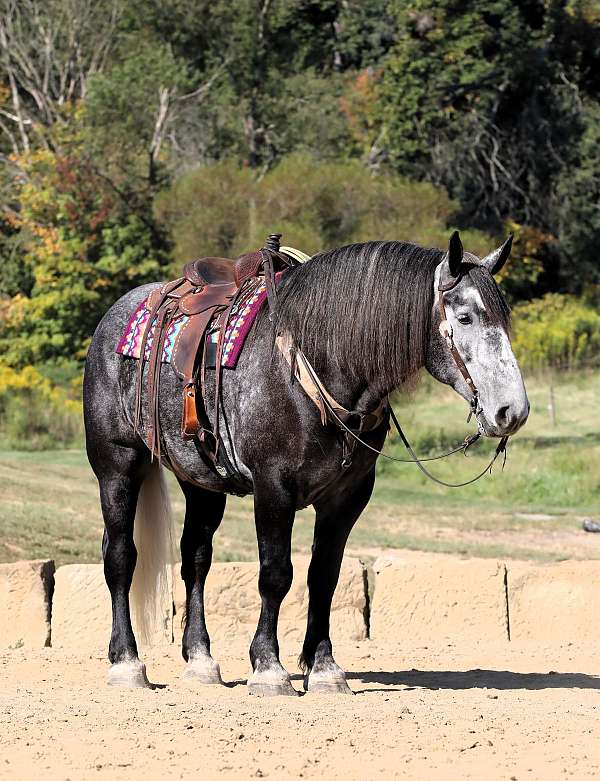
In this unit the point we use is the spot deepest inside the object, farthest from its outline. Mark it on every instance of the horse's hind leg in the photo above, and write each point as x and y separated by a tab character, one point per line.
203	513
274	512
120	477
334	521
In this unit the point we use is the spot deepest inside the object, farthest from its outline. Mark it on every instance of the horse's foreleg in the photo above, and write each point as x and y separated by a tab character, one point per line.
274	511
119	492
203	513
334	521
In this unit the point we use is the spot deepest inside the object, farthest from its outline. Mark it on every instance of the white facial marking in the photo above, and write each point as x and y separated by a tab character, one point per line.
488	355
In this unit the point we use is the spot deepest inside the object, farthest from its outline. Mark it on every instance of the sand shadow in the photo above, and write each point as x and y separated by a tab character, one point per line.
477	679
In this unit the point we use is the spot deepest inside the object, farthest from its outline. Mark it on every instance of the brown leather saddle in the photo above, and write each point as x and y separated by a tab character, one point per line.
208	289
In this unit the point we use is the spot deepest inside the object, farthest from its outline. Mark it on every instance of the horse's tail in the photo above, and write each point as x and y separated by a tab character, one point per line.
153	536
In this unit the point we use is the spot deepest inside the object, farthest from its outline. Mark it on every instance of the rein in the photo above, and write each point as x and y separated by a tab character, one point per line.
328	407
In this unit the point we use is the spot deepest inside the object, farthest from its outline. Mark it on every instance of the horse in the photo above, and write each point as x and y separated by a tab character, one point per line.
368	318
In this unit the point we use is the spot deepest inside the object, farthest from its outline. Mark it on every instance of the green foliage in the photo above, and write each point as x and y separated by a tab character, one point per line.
522	277
16	275
486	98
35	414
448	63
250	117
279	64
222	210
556	331
579	196
123	104
82	246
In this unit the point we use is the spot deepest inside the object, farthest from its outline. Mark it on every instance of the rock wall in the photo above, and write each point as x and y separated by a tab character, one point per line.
554	602
427	597
81	612
232	602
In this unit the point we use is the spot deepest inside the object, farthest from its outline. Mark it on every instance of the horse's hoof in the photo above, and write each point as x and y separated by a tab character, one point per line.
322	683
203	669
130	675
265	684
272	689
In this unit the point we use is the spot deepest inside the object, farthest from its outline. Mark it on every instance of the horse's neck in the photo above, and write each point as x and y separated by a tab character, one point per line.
351	392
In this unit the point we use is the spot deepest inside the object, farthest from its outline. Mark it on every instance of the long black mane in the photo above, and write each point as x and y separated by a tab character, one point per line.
367	308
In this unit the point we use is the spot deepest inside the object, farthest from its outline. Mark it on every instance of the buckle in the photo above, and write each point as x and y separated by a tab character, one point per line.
447	333
474	404
353	418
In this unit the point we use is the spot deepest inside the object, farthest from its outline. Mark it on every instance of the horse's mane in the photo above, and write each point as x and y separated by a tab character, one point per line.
367	308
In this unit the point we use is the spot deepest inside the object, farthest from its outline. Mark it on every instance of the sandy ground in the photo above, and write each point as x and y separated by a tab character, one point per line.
493	712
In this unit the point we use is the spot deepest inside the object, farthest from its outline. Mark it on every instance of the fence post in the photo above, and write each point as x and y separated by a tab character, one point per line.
552	406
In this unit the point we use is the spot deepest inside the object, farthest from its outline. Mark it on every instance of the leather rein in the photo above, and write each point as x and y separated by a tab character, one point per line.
303	371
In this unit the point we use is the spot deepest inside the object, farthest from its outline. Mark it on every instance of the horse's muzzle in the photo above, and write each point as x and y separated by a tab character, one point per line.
506	420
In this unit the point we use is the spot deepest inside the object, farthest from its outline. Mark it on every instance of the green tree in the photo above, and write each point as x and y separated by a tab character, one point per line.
578	206
283	65
222	210
81	249
486	98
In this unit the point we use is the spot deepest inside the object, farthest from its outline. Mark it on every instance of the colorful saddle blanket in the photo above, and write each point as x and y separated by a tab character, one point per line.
240	322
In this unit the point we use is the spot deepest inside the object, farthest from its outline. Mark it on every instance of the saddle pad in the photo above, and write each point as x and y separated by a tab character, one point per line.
240	322
130	343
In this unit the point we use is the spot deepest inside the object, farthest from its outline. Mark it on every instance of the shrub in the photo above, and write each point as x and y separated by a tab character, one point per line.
556	331
222	210
35	414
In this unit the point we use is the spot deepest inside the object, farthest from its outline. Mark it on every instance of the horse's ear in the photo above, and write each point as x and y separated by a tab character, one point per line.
455	254
496	259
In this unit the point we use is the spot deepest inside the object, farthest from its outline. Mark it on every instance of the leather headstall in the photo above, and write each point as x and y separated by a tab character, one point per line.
447	334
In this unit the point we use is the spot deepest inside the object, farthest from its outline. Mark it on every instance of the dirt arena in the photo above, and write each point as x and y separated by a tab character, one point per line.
503	711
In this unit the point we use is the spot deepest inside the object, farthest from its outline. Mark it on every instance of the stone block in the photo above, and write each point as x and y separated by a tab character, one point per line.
433	597
554	602
232	603
25	603
81	611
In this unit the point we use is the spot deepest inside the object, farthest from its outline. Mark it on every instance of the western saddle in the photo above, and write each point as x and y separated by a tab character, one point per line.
208	289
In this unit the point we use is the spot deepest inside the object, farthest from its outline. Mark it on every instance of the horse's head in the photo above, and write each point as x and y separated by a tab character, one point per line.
477	324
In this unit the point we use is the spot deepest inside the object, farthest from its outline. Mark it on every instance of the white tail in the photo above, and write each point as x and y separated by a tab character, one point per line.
153	536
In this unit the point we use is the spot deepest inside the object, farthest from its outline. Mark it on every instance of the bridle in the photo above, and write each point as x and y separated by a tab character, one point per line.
447	335
303	371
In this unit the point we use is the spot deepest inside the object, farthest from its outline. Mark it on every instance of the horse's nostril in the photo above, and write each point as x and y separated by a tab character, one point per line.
503	415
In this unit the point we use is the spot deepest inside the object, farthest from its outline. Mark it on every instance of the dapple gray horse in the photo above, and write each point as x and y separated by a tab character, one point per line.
366	316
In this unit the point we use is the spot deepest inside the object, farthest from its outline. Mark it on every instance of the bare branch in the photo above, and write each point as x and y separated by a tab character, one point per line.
205	87
49	49
164	102
14	117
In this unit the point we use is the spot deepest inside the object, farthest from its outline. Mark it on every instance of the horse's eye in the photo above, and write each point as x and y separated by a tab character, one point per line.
464	319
